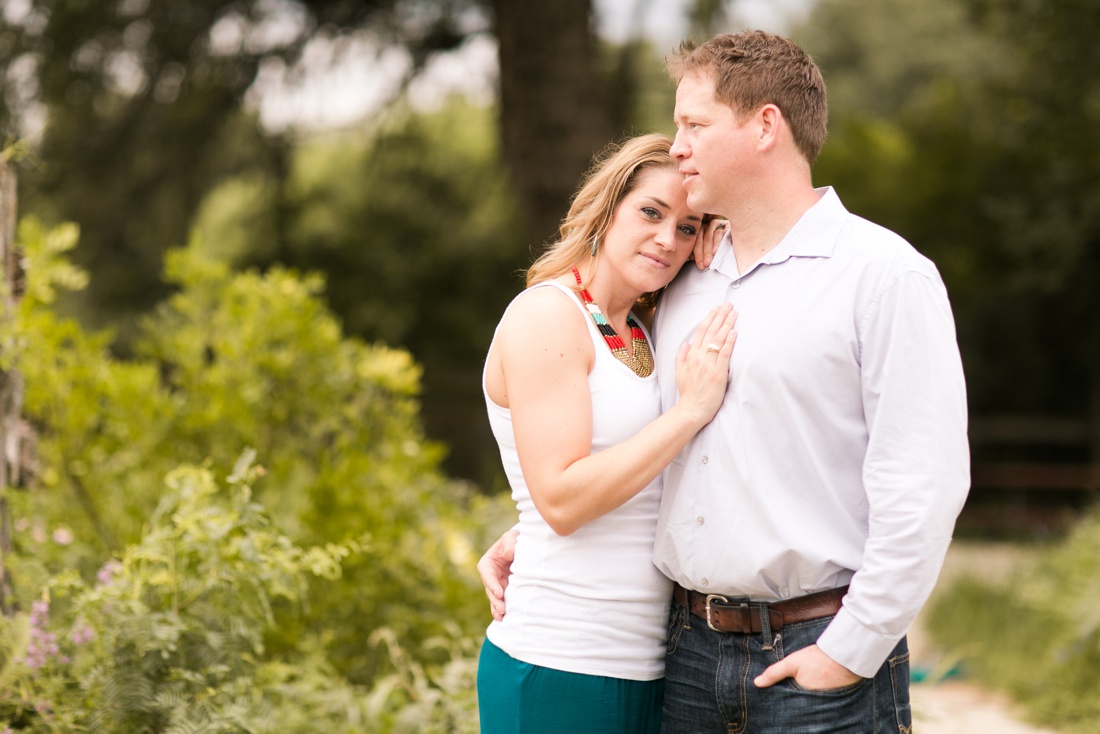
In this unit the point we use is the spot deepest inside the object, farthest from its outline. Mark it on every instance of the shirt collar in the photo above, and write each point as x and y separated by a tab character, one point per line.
813	235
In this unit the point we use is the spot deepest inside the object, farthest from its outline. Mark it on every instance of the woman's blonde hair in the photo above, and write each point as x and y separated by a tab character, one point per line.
613	175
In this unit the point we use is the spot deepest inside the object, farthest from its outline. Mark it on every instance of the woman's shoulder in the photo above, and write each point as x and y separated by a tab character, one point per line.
545	313
546	300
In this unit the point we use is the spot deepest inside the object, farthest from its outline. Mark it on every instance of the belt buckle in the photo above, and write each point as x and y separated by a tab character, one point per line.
711	598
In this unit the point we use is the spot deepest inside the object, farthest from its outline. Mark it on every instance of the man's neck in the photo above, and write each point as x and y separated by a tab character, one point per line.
761	223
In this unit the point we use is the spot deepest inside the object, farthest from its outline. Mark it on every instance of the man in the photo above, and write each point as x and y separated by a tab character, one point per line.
806	525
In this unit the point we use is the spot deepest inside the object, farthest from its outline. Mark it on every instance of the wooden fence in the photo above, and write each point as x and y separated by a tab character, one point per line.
1031	474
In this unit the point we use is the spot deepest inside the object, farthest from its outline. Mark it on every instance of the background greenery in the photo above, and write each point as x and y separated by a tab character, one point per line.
325	301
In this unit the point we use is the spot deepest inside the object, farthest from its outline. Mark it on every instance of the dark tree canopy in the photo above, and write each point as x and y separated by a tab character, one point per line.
143	102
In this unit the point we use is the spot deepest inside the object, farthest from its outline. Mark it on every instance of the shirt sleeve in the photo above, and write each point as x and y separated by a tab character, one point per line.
916	472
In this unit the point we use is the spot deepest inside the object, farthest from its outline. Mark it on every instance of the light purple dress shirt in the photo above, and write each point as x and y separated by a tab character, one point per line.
840	454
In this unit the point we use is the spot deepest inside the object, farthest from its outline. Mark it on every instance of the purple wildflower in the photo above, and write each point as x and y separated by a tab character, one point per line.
81	635
107	573
43	643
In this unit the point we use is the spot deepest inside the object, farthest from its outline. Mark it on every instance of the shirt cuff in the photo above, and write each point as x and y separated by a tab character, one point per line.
857	648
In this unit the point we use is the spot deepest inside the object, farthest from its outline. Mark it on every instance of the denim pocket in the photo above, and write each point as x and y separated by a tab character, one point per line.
842	691
677	623
803	634
899	684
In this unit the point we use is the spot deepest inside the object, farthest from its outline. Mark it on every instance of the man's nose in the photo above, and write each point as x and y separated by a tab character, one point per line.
679	149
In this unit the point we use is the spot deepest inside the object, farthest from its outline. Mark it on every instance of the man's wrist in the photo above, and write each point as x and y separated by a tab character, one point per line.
853	646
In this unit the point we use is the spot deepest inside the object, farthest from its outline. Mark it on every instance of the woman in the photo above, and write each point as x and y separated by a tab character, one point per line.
574	406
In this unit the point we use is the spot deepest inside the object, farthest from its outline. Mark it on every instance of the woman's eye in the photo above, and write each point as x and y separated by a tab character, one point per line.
651	212
688	230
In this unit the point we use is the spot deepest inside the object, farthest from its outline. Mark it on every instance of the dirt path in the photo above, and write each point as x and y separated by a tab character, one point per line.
956	706
959	707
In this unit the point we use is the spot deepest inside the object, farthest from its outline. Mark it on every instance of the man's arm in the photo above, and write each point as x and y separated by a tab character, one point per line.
916	471
916	475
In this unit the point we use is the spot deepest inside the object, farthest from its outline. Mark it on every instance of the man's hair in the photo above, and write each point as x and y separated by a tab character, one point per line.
753	68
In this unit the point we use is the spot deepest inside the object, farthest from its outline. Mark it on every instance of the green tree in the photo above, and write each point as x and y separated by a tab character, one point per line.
414	227
143	109
143	103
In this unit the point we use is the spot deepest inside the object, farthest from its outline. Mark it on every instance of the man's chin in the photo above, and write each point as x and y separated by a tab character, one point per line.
696	201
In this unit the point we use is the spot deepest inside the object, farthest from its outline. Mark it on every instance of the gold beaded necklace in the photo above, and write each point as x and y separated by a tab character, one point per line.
641	361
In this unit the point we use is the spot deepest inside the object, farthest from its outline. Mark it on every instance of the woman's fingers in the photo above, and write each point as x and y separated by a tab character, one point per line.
713	331
709	323
710	237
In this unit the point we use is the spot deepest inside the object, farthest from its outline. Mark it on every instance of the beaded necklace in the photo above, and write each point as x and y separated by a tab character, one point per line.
642	360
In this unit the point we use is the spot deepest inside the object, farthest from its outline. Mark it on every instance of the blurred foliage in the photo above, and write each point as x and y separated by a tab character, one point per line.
142	104
414	226
237	360
1037	635
170	636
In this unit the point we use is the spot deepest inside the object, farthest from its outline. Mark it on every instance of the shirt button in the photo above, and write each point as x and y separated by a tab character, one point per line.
735	284
704	582
699	520
706	459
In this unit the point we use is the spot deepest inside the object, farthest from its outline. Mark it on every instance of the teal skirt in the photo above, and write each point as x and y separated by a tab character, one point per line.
519	698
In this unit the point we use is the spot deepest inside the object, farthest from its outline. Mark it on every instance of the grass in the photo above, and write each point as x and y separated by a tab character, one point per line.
1025	619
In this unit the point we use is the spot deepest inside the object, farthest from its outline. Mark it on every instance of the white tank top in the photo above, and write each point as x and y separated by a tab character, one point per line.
591	602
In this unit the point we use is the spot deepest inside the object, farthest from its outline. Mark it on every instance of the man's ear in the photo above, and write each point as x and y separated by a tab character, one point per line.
770	122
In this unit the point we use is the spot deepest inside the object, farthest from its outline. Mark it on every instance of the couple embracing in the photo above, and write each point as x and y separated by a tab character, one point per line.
741	544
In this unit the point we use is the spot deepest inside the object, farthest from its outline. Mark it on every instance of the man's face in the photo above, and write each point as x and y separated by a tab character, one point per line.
712	146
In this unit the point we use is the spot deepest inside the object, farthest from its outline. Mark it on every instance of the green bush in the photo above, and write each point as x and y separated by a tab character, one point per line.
234	360
170	637
1036	636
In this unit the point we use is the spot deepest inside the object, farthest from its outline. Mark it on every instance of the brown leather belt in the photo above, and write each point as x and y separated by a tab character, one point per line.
734	615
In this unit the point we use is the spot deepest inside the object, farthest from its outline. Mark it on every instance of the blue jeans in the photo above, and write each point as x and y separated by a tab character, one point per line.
709	688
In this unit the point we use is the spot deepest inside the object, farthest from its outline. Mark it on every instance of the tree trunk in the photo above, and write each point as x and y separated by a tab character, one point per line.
11	383
553	114
1094	418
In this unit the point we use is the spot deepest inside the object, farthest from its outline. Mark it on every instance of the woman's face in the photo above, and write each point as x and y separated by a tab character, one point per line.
653	231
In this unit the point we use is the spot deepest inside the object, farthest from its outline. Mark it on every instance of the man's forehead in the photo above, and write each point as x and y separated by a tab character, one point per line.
694	93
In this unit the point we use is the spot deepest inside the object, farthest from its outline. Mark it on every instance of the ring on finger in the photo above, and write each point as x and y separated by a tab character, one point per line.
712	348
